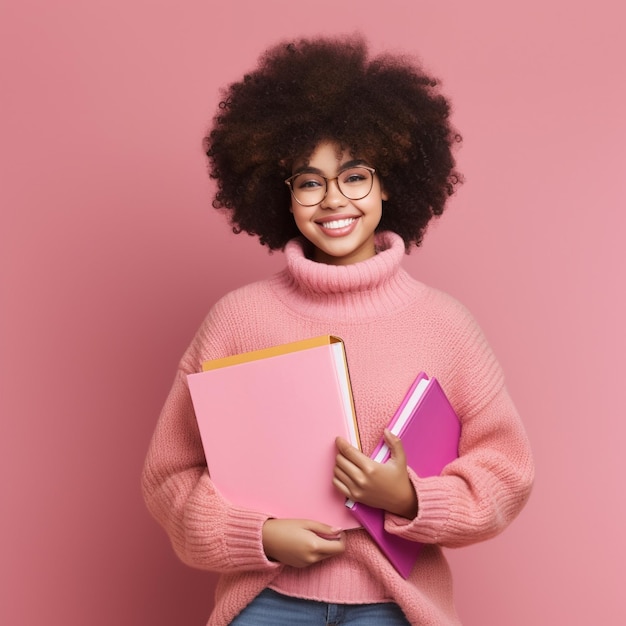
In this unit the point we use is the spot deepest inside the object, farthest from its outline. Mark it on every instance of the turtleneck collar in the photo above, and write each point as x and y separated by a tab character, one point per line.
361	290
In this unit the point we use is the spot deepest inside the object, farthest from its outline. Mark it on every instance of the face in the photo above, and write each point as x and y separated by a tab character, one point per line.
341	230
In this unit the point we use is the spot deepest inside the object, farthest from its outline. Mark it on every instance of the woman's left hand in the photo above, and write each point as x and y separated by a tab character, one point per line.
381	485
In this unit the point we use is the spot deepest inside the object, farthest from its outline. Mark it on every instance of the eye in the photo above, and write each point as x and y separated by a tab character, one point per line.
308	182
355	176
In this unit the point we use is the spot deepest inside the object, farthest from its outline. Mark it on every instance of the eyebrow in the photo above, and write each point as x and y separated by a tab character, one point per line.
314	170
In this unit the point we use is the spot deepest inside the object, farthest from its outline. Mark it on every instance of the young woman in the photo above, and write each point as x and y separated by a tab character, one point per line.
341	161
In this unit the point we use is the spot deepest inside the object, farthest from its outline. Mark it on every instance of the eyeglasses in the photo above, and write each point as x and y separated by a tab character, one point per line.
309	189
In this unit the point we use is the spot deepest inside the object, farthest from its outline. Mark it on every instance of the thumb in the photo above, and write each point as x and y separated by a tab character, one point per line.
395	447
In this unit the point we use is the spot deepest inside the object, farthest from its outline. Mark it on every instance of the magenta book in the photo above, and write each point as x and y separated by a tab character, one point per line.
430	431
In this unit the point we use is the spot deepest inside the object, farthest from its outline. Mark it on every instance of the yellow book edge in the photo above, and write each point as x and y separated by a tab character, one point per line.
265	353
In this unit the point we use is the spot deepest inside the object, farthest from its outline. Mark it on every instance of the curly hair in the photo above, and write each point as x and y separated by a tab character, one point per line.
385	110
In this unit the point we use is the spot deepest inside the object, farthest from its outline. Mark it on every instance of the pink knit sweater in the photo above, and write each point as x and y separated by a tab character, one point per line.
393	327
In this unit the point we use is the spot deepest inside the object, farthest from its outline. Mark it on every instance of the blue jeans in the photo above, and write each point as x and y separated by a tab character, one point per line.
270	608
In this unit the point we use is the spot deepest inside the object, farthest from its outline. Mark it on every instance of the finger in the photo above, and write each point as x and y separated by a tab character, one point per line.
349	486
341	487
395	446
323	530
347	466
333	537
343	445
341	478
337	546
348	474
350	452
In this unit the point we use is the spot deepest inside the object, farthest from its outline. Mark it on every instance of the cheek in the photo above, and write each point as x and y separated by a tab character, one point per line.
299	218
376	206
296	209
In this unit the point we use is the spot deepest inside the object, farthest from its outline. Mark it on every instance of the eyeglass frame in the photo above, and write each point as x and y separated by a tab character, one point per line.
289	180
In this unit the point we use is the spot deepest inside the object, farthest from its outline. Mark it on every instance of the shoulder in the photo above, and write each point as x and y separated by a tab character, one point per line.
443	312
220	331
244	301
456	347
453	321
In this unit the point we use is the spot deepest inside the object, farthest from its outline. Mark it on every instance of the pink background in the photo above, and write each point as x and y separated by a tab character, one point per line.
111	255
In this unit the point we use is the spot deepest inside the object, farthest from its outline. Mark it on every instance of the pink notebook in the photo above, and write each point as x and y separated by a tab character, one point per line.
268	421
430	431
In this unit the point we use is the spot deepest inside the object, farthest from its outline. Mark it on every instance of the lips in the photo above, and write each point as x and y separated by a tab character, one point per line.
341	223
337	226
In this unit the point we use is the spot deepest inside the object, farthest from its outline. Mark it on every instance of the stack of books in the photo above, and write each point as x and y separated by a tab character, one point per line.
268	420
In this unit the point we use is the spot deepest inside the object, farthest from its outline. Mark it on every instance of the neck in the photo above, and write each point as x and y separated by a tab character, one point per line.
360	290
367	251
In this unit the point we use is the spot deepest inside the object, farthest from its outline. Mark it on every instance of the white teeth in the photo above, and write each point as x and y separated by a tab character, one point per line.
339	223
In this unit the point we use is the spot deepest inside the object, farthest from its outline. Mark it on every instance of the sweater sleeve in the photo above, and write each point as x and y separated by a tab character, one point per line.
206	530
481	492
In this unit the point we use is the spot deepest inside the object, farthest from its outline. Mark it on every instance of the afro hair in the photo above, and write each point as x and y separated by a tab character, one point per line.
385	110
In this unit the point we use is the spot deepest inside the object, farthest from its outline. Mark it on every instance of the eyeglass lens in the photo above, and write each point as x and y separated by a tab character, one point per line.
354	183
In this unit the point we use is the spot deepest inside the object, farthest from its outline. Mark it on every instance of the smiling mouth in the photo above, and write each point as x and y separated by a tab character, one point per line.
336	224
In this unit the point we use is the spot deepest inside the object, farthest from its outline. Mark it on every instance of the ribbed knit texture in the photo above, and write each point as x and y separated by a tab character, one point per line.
393	327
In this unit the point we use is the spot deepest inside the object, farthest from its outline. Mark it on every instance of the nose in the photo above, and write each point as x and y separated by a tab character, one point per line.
333	198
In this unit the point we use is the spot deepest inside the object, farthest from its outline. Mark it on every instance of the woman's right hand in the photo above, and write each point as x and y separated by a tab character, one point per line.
301	543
